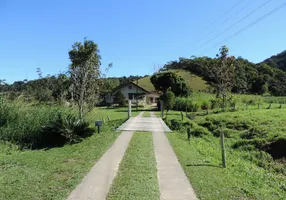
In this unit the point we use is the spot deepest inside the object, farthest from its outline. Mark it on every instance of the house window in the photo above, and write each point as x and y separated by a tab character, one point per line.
130	87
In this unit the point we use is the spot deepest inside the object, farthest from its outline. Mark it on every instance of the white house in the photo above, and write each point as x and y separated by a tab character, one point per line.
132	92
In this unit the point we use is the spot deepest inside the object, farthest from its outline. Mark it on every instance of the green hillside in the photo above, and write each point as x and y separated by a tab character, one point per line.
277	61
194	82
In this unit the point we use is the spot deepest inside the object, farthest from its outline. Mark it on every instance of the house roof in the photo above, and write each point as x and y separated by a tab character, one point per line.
130	83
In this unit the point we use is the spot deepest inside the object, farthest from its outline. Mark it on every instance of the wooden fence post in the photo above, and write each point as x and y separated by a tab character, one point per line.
189	133
129	109
162	108
222	149
182	116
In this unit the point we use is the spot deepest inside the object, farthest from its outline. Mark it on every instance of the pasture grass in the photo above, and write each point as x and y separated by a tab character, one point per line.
252	173
242	179
137	175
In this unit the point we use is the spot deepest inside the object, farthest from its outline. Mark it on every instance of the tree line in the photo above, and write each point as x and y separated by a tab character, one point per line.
249	78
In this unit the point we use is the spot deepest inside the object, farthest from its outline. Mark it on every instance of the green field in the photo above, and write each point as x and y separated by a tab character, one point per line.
137	175
194	82
251	173
52	173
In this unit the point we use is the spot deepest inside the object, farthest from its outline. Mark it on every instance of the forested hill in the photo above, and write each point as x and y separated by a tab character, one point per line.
277	61
250	78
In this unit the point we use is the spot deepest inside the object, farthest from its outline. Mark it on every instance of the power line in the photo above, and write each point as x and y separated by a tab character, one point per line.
249	3
252	12
253	23
236	4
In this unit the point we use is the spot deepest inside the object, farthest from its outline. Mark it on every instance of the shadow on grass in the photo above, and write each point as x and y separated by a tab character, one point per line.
203	165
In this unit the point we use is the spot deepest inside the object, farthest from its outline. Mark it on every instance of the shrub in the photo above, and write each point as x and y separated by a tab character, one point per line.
38	126
6	112
214	104
229	133
198	131
205	105
169	100
175	124
254	132
120	99
65	130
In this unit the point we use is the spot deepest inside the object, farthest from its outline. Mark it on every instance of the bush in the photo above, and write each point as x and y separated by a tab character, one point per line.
120	99
228	133
205	105
7	112
169	100
38	126
198	131
24	124
254	132
214	104
65	130
175	124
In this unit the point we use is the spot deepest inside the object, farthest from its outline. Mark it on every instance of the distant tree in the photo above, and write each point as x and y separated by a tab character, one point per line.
120	99
60	87
84	75
222	73
3	85
240	80
168	100
165	80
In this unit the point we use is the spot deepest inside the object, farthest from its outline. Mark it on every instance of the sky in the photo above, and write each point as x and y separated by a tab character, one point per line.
136	36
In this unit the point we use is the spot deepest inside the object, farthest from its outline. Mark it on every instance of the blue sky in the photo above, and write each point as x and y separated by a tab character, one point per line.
134	35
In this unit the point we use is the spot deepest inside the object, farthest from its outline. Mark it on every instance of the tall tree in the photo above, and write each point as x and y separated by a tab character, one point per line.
222	73
84	74
165	80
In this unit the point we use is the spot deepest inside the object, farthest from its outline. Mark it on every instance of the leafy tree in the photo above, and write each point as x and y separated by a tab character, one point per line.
240	80
168	100
165	80
84	75
222	73
120	99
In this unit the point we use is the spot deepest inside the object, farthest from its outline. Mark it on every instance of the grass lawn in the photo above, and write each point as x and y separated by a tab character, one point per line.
137	175
54	173
49	174
102	113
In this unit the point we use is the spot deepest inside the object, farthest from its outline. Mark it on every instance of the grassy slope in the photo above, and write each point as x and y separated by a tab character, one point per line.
244	178
137	175
193	81
53	173
241	180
